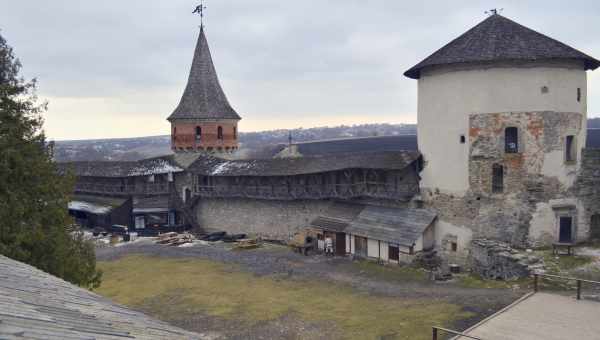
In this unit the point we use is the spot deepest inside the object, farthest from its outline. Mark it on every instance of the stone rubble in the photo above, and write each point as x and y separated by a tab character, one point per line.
495	260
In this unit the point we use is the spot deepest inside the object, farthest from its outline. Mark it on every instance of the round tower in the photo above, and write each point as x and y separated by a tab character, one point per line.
204	121
497	104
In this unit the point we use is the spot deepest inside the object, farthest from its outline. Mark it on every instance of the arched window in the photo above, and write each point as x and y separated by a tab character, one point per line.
198	133
234	132
511	140
220	133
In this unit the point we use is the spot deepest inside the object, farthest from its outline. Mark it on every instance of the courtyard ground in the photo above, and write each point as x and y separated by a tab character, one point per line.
272	293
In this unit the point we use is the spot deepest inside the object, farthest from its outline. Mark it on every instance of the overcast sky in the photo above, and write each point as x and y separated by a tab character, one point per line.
117	68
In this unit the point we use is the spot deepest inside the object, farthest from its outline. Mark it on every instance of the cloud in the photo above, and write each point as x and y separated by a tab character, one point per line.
104	66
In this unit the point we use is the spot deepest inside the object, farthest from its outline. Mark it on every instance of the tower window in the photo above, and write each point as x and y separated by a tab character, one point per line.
462	139
570	152
497	178
511	140
579	94
198	133
220	133
234	132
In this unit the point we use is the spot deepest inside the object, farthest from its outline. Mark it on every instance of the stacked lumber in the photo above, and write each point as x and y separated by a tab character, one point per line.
248	243
175	239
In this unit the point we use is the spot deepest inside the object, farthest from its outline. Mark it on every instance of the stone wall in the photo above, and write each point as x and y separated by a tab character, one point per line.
267	218
587	190
536	182
495	260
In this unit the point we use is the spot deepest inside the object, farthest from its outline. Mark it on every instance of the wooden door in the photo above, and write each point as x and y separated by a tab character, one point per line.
565	233
394	253
340	244
360	246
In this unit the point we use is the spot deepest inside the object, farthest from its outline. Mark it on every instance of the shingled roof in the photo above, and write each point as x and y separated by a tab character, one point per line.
395	225
37	305
211	166
500	39
358	144
203	97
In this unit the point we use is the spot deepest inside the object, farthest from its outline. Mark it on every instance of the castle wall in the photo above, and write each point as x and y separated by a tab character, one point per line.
267	218
448	96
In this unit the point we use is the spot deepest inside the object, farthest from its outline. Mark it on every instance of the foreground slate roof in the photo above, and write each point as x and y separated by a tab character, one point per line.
395	225
37	305
211	166
500	39
203	97
360	144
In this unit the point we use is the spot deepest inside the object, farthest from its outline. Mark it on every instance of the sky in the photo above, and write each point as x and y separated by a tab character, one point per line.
117	68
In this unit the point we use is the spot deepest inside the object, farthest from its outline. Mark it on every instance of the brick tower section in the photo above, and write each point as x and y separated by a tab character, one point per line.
204	121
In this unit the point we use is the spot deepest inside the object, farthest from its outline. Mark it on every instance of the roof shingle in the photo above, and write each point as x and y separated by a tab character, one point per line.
500	39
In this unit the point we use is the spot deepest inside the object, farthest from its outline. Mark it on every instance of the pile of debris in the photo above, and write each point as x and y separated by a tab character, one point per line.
175	239
495	260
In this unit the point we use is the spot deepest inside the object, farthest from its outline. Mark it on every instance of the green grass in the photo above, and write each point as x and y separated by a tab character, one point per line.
389	272
557	264
474	281
225	291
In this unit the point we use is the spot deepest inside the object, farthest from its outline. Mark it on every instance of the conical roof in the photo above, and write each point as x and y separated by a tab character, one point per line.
203	97
500	39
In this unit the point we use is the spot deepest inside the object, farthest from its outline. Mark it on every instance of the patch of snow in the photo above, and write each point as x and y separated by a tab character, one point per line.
159	166
89	207
232	165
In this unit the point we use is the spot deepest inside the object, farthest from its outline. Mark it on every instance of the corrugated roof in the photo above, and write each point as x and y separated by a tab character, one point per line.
37	305
338	216
395	225
359	144
203	97
500	39
211	166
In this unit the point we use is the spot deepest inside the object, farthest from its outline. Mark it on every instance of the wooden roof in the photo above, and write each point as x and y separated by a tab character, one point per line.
401	226
203	97
500	39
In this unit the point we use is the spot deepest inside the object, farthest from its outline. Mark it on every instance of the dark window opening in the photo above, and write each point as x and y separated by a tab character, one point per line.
570	148
454	246
462	139
497	178
234	132
220	133
565	233
579	94
511	140
198	132
394	253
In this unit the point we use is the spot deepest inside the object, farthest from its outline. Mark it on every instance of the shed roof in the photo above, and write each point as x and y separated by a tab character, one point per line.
338	216
395	225
593	139
211	166
203	97
144	167
151	204
500	39
98	205
358	144
37	305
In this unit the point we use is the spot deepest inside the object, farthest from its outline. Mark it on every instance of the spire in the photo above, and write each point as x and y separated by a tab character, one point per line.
203	97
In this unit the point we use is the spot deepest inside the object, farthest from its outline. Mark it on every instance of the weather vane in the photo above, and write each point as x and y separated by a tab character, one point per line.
494	11
200	10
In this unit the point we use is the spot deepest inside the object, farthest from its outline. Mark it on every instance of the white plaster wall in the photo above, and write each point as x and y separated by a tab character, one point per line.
463	234
383	248
372	248
448	96
543	224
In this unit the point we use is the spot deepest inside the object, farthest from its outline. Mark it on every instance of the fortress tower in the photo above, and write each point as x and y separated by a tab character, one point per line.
204	120
502	114
501	100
